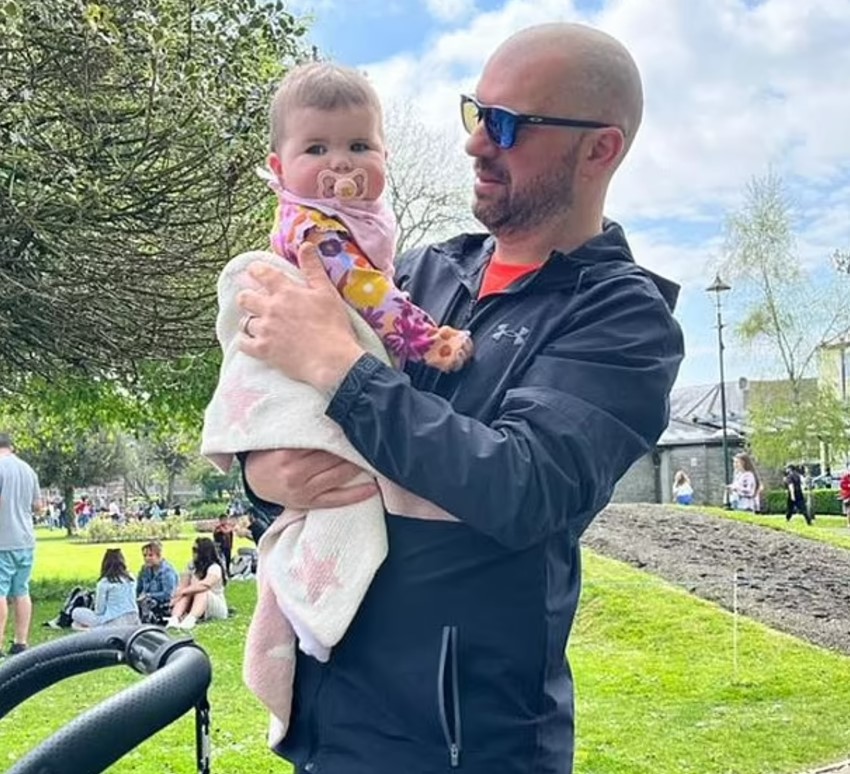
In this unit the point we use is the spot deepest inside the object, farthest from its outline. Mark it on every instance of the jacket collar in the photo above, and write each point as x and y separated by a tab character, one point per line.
469	254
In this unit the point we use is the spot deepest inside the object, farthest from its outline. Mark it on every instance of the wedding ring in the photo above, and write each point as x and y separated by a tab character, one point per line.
245	325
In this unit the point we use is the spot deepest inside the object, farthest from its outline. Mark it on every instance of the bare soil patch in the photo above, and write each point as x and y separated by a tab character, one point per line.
796	585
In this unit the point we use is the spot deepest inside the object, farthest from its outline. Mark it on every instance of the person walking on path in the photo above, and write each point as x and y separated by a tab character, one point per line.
20	502
795	499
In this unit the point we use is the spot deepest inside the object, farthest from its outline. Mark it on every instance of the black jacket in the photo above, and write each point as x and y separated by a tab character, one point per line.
455	660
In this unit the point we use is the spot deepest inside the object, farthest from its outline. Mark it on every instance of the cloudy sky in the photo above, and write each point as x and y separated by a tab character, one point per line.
733	88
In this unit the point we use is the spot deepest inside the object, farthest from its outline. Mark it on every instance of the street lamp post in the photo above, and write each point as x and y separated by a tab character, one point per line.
717	287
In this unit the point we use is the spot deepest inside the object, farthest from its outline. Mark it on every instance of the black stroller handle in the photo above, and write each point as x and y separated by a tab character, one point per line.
179	675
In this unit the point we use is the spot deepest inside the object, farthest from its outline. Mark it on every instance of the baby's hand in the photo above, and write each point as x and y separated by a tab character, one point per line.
450	349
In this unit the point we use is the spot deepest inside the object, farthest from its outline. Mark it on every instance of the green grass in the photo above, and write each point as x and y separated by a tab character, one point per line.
238	720
659	688
826	529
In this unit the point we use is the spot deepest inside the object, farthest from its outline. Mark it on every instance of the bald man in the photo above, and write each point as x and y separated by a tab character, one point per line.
456	658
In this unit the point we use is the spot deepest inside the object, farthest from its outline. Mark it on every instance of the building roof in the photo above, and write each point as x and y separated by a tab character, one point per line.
696	416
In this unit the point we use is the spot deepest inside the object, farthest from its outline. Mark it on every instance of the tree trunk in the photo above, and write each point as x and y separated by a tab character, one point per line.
169	490
70	516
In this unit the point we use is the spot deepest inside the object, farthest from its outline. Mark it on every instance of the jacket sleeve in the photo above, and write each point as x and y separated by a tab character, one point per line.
592	402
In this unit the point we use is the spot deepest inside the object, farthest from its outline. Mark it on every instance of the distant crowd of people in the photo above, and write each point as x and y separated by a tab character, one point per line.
56	514
746	490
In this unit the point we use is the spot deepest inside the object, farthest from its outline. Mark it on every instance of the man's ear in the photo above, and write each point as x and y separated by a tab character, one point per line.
604	151
275	166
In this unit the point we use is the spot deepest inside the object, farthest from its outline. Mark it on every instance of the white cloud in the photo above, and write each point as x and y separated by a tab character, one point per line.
450	10
730	89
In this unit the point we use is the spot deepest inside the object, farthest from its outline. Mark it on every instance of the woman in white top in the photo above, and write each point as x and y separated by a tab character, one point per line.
744	489
200	594
683	492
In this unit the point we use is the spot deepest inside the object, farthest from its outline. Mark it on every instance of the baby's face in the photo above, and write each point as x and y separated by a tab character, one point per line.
338	140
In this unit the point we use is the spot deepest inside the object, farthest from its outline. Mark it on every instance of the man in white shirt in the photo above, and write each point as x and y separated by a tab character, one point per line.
20	500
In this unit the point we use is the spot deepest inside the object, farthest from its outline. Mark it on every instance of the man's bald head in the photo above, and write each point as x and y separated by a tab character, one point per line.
592	74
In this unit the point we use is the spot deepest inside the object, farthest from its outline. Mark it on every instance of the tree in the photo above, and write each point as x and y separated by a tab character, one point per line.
214	483
68	460
427	179
785	321
786	318
787	428
155	459
129	134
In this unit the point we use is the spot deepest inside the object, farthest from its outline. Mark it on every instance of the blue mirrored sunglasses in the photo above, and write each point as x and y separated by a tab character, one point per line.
501	124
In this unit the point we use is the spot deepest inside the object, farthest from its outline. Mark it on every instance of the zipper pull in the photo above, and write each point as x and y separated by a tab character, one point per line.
454	752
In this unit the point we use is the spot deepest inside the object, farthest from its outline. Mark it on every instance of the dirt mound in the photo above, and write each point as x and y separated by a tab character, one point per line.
796	585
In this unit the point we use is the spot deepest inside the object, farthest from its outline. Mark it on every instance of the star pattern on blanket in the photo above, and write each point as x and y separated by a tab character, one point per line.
239	401
316	575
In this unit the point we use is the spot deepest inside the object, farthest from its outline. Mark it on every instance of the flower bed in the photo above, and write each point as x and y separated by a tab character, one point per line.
104	530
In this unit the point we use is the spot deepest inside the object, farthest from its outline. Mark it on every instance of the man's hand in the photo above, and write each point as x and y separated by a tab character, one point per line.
302	330
305	479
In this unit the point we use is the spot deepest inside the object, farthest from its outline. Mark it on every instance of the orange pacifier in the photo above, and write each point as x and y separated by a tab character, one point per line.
348	185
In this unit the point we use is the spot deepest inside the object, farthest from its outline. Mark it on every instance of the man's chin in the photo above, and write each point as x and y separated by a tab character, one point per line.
489	217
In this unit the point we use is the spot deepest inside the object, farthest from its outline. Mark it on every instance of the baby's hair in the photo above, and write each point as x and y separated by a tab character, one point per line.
321	86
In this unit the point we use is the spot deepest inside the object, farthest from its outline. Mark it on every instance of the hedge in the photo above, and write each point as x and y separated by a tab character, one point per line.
209	509
824	501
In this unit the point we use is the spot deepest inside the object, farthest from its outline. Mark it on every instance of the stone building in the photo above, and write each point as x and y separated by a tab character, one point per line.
693	442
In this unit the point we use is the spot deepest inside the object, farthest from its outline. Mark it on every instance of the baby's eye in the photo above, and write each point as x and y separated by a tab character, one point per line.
317	150
359	147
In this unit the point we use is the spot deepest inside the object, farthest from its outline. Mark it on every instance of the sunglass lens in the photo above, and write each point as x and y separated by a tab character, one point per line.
501	127
469	114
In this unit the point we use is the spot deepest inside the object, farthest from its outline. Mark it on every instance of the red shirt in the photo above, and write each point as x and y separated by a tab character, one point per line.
498	275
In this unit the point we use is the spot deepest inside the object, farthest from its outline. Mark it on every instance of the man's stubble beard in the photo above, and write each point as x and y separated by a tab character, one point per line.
546	195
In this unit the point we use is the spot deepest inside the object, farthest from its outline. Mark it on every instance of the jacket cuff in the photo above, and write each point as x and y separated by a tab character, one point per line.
352	385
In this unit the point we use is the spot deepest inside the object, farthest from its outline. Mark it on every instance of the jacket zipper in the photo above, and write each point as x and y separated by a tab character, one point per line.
448	658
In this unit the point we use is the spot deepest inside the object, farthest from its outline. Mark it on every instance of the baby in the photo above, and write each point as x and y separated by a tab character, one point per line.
327	167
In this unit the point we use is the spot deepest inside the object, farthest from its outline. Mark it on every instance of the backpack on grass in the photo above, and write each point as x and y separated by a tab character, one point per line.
78	597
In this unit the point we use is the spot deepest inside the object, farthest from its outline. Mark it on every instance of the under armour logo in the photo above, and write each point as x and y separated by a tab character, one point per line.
518	336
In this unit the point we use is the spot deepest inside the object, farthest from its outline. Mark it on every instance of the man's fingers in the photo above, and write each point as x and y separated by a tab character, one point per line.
269	278
349	495
311	265
251	302
338	475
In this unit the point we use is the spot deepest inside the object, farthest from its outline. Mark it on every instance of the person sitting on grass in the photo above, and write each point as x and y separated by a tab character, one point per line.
200	595
223	539
157	581
115	596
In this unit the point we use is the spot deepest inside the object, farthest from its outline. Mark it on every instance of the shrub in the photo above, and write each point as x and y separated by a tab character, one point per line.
824	501
103	530
773	501
211	509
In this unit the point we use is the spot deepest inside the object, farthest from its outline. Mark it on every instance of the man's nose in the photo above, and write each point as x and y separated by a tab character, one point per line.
479	144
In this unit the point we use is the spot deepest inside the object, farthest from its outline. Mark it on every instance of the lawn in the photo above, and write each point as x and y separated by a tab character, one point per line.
827	529
660	687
